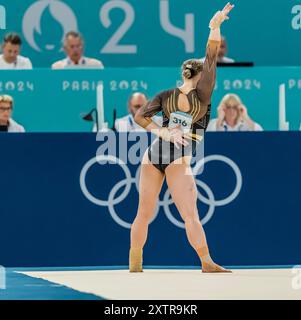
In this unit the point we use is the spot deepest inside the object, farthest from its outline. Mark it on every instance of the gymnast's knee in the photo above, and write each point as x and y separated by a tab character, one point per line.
191	219
145	214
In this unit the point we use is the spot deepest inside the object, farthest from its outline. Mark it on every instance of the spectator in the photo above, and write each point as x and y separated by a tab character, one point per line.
222	53
11	58
74	49
127	123
233	116
223	50
7	124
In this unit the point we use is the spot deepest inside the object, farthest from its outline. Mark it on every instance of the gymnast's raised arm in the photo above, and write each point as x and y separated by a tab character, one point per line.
206	84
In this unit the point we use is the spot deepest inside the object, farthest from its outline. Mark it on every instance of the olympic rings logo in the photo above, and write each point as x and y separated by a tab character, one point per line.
167	200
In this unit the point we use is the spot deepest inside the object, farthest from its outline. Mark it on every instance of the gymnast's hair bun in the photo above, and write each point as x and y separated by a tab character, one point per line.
191	68
187	73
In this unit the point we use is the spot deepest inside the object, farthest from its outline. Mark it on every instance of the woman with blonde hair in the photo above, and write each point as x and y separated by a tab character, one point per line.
233	116
187	107
7	124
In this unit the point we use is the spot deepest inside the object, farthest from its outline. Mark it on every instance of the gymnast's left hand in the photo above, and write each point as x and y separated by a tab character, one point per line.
174	135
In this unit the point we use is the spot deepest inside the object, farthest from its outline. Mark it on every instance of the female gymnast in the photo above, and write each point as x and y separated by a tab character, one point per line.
191	101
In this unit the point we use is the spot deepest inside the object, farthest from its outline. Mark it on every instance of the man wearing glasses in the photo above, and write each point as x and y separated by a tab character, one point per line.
74	49
7	124
127	123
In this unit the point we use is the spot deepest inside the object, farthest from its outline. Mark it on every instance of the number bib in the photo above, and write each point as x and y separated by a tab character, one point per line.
182	118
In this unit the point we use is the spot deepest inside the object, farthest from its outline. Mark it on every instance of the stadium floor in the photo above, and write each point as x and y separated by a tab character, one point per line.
156	283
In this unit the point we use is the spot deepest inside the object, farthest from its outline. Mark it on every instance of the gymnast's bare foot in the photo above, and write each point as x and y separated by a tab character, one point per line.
213	267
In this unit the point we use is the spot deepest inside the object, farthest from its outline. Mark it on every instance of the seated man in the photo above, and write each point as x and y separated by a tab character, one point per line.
7	124
11	58
74	49
233	116
127	123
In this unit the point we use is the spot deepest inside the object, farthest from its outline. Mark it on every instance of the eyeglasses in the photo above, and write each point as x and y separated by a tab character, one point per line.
3	109
232	107
72	47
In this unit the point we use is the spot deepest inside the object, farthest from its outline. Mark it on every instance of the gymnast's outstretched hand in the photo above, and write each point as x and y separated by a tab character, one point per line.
220	17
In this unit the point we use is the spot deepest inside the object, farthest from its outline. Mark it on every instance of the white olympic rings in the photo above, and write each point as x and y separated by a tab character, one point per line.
127	182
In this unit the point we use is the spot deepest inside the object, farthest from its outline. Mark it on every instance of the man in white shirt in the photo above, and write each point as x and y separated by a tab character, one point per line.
223	50
222	58
7	124
127	123
11	58
74	49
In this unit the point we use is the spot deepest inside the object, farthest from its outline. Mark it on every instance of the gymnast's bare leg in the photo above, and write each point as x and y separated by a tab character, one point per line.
151	180
182	187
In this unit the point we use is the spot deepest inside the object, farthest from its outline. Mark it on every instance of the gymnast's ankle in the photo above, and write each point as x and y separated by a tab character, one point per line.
136	259
208	265
204	255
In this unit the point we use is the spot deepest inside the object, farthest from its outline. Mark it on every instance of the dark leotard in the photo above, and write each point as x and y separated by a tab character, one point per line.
162	153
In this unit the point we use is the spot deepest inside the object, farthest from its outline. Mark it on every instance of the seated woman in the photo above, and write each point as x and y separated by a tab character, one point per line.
233	116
